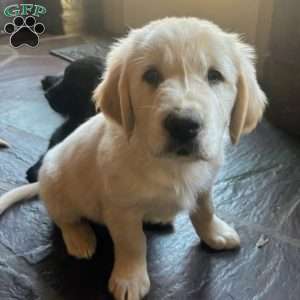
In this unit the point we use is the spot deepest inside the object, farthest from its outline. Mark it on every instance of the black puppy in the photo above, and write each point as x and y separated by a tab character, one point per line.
71	96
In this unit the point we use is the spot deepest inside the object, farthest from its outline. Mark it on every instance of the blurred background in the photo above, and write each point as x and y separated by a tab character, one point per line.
272	26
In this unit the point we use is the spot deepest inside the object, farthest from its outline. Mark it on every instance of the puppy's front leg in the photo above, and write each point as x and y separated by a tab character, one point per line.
211	229
129	279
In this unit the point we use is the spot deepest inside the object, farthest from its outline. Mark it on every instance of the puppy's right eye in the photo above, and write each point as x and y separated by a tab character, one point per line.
153	77
214	76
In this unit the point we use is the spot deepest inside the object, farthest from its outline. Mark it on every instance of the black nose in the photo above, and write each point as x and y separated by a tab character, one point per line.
181	129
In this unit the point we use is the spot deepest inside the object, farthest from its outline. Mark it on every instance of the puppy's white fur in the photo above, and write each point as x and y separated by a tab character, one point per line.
116	168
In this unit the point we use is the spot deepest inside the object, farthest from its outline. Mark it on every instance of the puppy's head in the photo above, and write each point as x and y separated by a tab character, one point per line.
71	95
179	85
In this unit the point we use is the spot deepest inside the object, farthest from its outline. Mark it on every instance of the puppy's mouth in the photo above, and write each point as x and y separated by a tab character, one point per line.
190	151
185	150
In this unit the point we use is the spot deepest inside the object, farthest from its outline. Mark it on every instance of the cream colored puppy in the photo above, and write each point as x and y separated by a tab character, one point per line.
172	92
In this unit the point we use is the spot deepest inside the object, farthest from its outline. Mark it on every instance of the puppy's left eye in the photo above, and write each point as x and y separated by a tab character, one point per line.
153	77
214	76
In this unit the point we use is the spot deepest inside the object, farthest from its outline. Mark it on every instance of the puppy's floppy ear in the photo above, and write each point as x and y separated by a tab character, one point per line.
251	100
112	95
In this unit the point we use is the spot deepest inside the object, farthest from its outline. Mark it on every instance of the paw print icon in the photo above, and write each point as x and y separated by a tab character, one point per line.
24	31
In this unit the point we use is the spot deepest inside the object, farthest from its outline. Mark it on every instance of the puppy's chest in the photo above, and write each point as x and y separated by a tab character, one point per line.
167	199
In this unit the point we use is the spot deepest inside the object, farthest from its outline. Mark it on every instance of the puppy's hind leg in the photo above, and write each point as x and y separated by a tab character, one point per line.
78	235
79	238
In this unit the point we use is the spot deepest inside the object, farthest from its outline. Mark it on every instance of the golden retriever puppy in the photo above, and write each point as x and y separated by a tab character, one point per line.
172	93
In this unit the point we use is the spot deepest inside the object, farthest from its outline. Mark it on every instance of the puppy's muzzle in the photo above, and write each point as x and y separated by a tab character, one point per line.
183	132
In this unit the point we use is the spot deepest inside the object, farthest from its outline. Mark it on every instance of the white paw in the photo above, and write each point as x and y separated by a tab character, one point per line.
133	285
219	235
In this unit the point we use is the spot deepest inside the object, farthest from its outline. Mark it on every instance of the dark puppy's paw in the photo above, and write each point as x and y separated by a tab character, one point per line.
48	81
33	171
31	174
